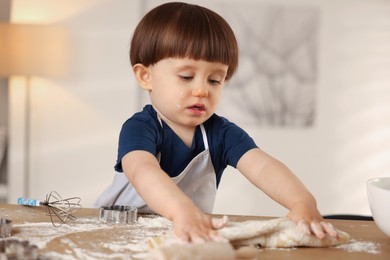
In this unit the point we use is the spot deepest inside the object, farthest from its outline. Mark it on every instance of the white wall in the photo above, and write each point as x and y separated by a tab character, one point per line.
76	121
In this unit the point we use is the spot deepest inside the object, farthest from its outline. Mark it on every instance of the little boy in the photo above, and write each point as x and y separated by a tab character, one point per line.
171	155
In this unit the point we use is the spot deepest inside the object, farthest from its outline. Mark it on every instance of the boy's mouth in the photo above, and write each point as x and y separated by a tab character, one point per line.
198	107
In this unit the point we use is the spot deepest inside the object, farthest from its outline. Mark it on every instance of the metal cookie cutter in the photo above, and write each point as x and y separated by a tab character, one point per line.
118	214
5	227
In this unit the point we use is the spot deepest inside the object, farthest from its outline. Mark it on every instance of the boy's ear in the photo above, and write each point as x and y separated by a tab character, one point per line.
142	75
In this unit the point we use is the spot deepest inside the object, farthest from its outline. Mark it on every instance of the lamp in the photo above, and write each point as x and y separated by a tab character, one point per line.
30	50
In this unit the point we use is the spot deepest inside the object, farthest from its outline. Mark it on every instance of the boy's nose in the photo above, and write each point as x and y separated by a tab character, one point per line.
200	91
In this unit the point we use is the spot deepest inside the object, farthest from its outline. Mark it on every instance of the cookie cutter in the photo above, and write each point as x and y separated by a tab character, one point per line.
118	214
5	227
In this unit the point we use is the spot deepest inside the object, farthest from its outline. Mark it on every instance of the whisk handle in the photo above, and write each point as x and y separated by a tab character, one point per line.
29	202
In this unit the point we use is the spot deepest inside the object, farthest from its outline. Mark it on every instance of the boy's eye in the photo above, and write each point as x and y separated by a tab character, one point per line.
214	82
186	78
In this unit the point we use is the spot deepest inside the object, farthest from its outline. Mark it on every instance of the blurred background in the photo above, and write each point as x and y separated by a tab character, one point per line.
312	89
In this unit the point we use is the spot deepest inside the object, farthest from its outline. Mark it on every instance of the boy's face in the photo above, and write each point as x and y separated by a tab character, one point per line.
185	92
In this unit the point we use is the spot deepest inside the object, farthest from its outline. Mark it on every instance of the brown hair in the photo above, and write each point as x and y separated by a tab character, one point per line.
184	30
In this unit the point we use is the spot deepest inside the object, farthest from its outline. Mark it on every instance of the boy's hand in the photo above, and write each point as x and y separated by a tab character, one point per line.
197	227
310	221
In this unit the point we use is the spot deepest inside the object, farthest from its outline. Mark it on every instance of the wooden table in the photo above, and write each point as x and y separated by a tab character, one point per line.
87	238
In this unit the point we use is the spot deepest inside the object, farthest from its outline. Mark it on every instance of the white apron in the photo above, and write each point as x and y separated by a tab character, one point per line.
197	180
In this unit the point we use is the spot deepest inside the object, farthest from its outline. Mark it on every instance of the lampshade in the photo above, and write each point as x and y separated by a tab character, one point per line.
32	50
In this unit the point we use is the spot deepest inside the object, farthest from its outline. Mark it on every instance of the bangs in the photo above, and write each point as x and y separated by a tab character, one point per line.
196	35
188	31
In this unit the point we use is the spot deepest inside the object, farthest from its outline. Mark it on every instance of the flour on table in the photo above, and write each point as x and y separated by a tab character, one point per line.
104	241
361	246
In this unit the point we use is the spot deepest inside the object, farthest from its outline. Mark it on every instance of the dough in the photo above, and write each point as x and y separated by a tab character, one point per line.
279	232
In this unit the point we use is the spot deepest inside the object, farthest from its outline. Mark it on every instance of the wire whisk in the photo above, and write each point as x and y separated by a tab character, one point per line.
58	209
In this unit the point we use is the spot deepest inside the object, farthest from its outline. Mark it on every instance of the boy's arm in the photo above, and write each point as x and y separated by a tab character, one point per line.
164	197
279	183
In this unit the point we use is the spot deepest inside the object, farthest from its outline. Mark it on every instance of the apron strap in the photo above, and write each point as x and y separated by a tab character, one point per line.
204	136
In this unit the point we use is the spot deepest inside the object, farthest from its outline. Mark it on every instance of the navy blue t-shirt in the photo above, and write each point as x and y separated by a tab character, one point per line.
143	131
